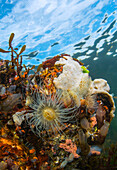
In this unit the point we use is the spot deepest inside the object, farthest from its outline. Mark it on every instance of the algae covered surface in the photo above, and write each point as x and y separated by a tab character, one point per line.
55	116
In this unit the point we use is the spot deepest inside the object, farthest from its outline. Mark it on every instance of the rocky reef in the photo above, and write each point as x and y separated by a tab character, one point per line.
54	118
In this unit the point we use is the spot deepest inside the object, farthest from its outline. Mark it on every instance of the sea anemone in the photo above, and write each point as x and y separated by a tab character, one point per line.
90	101
48	113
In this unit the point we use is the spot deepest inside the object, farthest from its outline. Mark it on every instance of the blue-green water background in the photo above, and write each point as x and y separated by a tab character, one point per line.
86	30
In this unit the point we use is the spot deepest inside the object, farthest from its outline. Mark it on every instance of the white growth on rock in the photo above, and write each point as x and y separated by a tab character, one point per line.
72	79
99	84
71	76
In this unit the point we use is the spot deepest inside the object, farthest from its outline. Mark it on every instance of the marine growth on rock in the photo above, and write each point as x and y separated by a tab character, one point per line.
55	116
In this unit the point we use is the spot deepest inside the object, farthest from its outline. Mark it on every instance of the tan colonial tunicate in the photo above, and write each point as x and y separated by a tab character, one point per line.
99	84
104	128
84	123
82	137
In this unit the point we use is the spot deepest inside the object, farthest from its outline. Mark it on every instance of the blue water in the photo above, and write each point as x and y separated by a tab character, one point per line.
86	30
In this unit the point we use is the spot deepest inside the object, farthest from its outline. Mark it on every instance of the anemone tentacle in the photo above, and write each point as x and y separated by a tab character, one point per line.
48	112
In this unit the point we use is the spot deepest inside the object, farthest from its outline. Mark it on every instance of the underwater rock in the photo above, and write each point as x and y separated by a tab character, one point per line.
65	113
64	110
12	89
3	165
10	102
2	90
78	90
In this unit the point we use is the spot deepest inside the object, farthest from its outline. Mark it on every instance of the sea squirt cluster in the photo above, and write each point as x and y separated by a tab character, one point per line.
56	116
